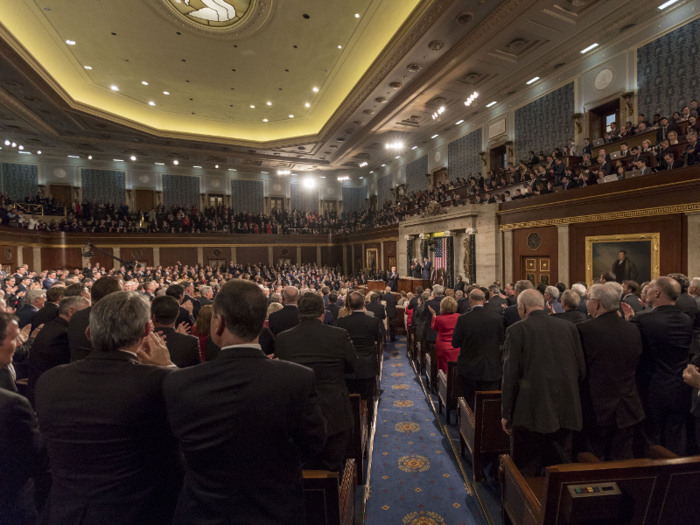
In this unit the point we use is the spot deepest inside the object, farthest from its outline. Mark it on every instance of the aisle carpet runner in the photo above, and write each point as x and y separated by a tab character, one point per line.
414	477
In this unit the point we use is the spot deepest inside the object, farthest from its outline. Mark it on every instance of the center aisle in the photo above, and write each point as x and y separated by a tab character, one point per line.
414	477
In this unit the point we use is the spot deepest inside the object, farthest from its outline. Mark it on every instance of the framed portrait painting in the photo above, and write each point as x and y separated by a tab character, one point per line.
633	257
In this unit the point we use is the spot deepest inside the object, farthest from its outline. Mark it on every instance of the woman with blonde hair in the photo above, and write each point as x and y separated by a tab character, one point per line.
444	324
272	308
202	329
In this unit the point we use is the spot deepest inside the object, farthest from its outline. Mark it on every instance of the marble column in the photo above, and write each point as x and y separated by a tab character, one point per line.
507	257
270	256
563	254
318	255
693	242
345	259
380	262
117	253
36	260
20	257
156	257
200	255
363	257
233	254
299	261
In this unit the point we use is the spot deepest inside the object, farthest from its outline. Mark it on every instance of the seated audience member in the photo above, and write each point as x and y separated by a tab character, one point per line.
202	329
610	403
34	301
570	301
51	348
183	348
540	410
664	129
288	317
245	422
551	297
22	449
692	152
666	338
330	357
673	138
643	168
670	163
185	306
80	345
479	335
444	325
113	458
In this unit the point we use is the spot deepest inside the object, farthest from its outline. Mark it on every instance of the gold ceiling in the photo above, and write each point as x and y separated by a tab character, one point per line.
213	78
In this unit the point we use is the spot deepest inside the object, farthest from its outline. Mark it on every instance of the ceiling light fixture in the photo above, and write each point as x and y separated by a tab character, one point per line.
216	166
252	107
133	157
395	146
307	105
176	162
199	167
383	165
397	157
435	136
471	99
89	157
87	67
436	115
144	82
7	142
14	144
357	15
361	178
114	88
264	120
38	152
269	103
160	163
151	103
414	147
284	172
166	93
74	156
363	164
343	178
21	147
340	47
315	90
370	173
533	80
70	42
491	104
459	122
117	160
309	183
232	169
666	4
25	152
592	46
291	116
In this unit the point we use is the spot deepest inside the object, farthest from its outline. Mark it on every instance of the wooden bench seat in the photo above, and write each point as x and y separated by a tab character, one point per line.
634	492
357	447
449	389
431	368
480	431
330	500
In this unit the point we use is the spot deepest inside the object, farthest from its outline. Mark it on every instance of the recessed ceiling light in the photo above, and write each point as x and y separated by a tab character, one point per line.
74	156
340	47
21	147
89	157
151	103
370	172
383	165
114	88
232	169
166	93
252	107
434	136
532	80
160	163
269	103
87	67
133	157
38	152
666	4
357	15
264	120
117	160
176	162
459	122
307	105
592	46
491	104
291	116
197	167
398	156
144	82
315	90
7	142
25	152
414	147
361	178
321	176
216	166
70	42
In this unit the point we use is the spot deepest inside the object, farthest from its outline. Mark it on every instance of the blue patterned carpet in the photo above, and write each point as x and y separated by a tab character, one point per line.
415	479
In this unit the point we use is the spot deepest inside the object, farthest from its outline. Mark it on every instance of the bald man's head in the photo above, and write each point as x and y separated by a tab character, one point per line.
669	289
290	295
529	301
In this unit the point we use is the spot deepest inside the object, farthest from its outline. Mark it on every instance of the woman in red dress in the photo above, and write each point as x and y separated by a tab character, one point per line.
444	324
202	329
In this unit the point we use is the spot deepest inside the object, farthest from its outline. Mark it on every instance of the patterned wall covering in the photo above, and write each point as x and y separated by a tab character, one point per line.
354	199
415	174
668	75
247	195
384	190
463	155
180	190
19	180
103	185
303	198
545	123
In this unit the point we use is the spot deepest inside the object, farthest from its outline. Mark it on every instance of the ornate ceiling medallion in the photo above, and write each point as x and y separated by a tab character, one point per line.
222	18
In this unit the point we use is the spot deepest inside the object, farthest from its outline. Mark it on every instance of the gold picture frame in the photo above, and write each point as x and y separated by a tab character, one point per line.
625	242
372	255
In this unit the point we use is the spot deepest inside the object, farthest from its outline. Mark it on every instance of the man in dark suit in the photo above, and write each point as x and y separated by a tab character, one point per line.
495	303
206	295
570	302
51	347
669	163
427	266
287	317
605	167
664	129
377	308
245	422
609	399
34	302
666	336
365	334
186	307
23	454
692	152
479	334
629	295
189	296
393	279
183	348
542	369
50	310
463	305
414	300
390	299
417	269
333	307
80	345
330	357
113	458
429	334
50	279
691	375
587	147
511	314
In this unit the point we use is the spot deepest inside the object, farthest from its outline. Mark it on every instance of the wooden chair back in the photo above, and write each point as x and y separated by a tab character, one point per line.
330	500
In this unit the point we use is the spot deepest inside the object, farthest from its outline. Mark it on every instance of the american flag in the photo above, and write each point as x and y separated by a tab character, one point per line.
439	260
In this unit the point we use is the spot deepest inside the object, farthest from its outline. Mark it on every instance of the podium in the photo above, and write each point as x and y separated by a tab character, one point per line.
409	284
376	286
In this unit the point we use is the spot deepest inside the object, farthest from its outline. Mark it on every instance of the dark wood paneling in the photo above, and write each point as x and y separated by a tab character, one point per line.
252	255
28	258
171	256
8	255
53	258
142	255
371	246
308	255
672	249
548	248
390	251
224	253
103	258
336	256
359	261
284	252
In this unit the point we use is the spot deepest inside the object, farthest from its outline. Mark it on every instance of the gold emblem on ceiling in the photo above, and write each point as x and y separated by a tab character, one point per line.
213	13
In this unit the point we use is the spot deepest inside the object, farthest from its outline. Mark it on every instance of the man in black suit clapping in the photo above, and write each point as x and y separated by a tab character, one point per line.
183	348
287	317
330	357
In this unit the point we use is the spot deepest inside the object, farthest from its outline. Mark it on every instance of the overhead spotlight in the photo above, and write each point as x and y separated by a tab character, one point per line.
151	103
25	152
357	15
144	82
459	122
533	80
435	136
14	144
363	164
315	90
666	4
343	178
21	147
396	146
307	105
383	165
471	99
284	172
291	116
397	157
232	169
133	157
414	147
176	162
38	152
361	178
309	183
114	88
73	156
269	103
7	142
166	93
340	47
89	157
199	167
436	115
252	107
264	120
592	46
216	166
70	42
117	160
370	172
491	104
87	67
160	163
